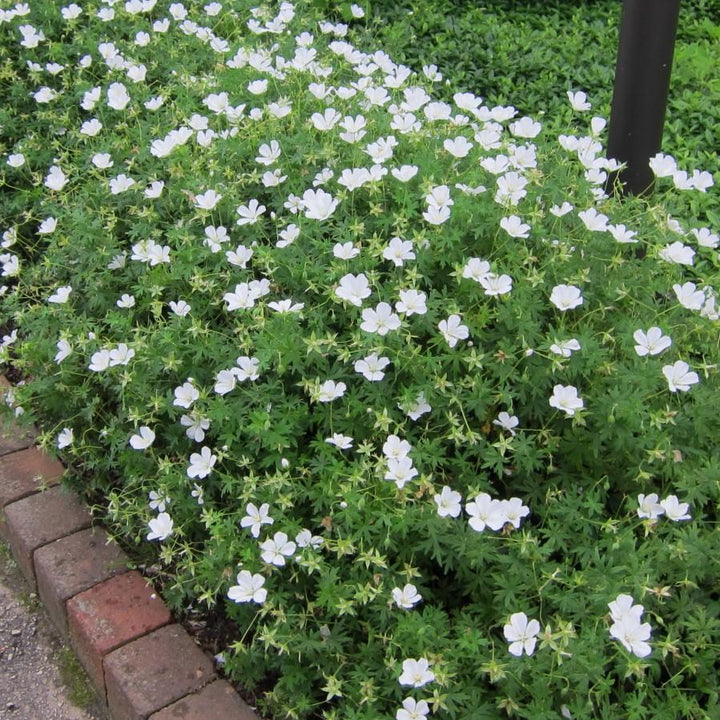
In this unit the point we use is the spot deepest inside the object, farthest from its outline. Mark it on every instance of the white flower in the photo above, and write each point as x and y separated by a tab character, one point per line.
689	296
411	302
240	256
99	361
120	184
453	330
201	464
380	320
705	238
396	447
507	422
399	250
560	210
121	355
306	539
247	368
416	409
679	376
117	96
330	390
448	502
566	297
268	154
225	382
514	511
196	426
249	588
185	395
633	635
578	101
412	710
208	200
677	253
522	634
318	204
256	517
400	471
66	436
144	439
15	160
161	527
476	269
404	173
485	511
458	147
406	597
61	295
126	301
514	226
179	308
565	348
649	507
56	178
353	288
276	549
416	673
565	397
286	306
250	213
663	165
622	608
63	350
496	284
158	501
372	367
674	509
593	220
652	342
343	442
345	251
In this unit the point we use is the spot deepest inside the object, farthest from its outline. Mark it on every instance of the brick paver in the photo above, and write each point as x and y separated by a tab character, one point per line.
39	519
72	564
109	615
23	473
217	701
147	674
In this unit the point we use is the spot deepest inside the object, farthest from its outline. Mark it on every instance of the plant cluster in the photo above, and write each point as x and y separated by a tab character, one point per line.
396	382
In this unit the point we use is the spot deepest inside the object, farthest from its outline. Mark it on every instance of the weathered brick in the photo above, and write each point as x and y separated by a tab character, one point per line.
40	519
72	564
217	701
109	615
23	473
147	674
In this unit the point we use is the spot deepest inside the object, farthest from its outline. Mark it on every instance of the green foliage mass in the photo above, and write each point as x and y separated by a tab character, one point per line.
202	418
529	53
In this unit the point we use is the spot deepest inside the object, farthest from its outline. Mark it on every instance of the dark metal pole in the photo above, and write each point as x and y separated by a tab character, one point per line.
642	82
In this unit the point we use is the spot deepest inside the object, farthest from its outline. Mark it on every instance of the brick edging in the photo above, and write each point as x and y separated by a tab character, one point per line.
141	664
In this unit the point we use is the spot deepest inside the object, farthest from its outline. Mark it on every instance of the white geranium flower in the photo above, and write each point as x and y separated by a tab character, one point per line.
566	398
161	527
144	438
249	588
522	634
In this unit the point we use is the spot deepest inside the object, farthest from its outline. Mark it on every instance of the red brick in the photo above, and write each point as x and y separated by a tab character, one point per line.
13	437
109	615
23	473
147	674
73	564
40	519
217	701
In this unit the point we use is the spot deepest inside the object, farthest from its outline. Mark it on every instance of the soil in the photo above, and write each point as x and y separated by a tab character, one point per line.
39	677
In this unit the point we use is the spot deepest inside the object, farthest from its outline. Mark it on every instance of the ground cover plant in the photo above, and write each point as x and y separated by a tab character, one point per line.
527	53
389	381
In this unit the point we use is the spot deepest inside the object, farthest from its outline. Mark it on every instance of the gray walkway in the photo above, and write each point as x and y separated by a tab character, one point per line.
39	678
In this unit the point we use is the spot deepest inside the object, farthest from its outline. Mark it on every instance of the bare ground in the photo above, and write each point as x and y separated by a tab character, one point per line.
40	678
